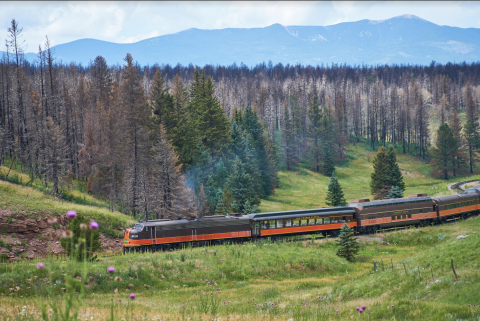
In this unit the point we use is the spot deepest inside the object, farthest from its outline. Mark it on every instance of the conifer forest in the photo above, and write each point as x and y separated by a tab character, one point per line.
168	141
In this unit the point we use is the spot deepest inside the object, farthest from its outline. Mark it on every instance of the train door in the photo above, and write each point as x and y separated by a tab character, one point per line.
256	228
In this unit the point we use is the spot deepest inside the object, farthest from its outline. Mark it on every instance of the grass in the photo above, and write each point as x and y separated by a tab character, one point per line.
304	189
262	280
33	203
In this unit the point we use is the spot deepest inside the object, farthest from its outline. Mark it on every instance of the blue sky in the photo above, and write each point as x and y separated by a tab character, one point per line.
127	22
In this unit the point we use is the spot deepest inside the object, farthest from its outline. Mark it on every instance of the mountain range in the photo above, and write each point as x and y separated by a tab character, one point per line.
405	39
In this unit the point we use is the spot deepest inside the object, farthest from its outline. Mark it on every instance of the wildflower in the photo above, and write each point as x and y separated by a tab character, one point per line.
253	298
469	305
392	305
67	234
93	225
357	308
52	220
111	269
118	279
83	227
405	309
337	311
40	266
361	311
132	296
364	308
71	214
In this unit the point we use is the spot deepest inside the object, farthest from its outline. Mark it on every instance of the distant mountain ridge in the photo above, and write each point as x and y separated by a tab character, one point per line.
405	39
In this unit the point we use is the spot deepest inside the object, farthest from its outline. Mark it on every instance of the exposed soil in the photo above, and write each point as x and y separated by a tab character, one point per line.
27	238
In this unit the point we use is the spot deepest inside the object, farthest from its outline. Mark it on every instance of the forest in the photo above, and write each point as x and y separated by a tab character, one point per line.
176	141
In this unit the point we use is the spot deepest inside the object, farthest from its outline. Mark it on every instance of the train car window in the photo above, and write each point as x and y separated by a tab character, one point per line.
264	225
342	219
399	217
146	228
348	219
319	220
409	215
420	211
393	218
296	222
311	222
138	226
304	222
334	220
280	223
272	224
326	220
288	223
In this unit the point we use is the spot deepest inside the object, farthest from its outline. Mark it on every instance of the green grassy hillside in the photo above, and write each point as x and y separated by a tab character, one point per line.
306	189
33	202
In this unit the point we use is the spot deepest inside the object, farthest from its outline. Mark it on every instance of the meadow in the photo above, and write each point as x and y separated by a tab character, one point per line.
289	279
303	188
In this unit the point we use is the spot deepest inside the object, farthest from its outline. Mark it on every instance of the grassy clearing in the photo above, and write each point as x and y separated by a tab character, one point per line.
306	189
266	281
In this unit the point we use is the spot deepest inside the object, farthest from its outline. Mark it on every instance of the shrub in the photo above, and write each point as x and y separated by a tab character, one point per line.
78	241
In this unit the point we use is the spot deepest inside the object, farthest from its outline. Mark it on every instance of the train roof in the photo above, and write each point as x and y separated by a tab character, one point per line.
327	211
395	201
205	219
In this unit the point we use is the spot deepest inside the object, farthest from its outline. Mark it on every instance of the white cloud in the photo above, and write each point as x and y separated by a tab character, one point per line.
133	21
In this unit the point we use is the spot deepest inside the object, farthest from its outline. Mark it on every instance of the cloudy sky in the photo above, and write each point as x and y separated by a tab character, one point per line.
133	21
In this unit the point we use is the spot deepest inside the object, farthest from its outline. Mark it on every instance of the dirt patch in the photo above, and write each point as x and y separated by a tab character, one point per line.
27	238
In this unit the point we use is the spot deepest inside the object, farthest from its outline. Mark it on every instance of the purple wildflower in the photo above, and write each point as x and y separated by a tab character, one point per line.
364	308
132	296
111	269
71	214
40	266
93	225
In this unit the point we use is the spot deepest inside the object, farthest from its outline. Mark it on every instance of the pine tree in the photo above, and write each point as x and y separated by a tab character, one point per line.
335	195
241	185
395	192
395	175
444	152
202	205
379	185
328	148
227	199
220	209
347	242
249	209
289	140
162	105
456	126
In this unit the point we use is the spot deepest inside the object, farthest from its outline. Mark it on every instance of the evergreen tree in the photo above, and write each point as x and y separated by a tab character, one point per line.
395	192
347	242
162	105
220	209
249	209
241	185
395	175
445	149
335	195
379	185
227	199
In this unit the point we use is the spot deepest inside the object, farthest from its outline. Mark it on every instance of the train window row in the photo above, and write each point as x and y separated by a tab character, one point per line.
401	217
457	205
304	222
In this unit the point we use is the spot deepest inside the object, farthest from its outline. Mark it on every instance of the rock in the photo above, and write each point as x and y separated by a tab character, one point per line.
42	223
16	228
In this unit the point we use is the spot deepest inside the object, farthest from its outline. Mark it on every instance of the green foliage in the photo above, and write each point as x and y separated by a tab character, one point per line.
335	195
83	242
347	242
386	173
241	185
395	192
444	152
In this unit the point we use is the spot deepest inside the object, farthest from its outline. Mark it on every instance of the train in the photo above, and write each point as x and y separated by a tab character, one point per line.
363	215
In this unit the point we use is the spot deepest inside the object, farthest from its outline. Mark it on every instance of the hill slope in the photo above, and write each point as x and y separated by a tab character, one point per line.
306	189
404	39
